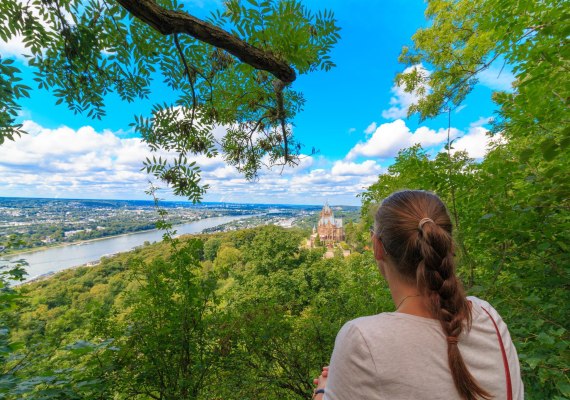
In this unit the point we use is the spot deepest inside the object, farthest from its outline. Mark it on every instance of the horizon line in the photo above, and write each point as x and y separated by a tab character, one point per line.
175	201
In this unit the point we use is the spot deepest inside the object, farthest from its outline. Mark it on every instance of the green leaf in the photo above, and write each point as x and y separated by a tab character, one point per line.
549	149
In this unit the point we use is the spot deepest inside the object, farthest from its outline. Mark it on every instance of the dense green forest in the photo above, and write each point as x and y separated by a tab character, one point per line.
241	315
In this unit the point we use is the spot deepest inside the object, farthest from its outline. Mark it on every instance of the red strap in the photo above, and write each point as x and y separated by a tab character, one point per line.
505	361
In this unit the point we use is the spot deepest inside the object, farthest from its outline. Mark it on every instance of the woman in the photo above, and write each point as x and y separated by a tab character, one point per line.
438	344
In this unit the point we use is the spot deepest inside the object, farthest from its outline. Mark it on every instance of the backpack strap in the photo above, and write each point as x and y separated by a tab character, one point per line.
505	360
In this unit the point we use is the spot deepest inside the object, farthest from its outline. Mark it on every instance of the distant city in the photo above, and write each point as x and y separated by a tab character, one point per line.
31	223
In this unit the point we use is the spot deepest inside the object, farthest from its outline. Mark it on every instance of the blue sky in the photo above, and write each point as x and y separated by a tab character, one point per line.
354	116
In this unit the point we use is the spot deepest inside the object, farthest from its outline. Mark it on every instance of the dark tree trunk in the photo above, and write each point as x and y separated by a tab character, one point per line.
170	22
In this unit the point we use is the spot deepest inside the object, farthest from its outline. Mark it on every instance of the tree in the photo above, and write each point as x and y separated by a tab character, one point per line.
228	260
465	38
9	272
211	248
273	248
122	332
166	341
234	69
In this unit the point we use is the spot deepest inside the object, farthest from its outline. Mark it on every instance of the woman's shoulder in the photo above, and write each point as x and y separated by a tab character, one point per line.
479	302
388	318
388	324
400	325
482	308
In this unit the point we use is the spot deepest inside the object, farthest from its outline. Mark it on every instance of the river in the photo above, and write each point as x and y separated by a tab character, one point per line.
55	259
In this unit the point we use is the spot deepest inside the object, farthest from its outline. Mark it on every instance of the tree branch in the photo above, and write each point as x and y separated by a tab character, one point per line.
278	86
189	76
169	22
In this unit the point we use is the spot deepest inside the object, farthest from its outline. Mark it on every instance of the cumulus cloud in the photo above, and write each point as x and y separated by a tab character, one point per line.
368	167
85	163
339	184
477	141
497	78
401	100
391	137
79	163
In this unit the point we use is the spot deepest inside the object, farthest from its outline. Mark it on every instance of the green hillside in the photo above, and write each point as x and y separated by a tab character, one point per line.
246	314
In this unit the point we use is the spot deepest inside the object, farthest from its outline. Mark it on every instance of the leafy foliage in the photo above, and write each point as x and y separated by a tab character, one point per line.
165	337
257	318
83	50
11	91
10	273
158	322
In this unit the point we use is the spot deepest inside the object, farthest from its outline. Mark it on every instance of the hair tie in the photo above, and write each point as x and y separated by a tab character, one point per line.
423	221
452	340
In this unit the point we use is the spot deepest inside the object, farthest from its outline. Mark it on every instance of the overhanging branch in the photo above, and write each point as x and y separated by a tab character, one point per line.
169	22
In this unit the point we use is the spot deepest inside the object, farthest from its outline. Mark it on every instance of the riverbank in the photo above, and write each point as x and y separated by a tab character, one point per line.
65	244
50	274
82	242
60	257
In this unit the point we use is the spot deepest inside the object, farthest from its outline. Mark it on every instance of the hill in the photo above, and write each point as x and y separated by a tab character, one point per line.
250	308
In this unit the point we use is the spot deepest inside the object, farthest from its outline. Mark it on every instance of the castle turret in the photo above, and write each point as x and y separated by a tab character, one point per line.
330	230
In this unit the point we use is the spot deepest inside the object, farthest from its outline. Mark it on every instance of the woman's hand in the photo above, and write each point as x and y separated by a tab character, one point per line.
321	382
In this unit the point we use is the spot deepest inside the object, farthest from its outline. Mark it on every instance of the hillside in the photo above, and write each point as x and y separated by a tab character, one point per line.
252	310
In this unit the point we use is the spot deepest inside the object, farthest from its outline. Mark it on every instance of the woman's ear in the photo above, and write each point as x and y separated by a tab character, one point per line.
378	247
379	255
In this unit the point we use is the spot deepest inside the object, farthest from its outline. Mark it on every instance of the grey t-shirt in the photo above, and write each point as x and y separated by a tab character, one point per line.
401	356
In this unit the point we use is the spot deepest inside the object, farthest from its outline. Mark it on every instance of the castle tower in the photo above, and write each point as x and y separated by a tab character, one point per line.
329	228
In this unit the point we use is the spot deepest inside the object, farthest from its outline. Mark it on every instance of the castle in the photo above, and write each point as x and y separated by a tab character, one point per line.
329	229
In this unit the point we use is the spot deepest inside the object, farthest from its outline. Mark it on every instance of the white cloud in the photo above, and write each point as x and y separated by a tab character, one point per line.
402	100
368	167
84	163
497	78
371	128
391	137
339	184
80	163
14	47
305	163
223	172
480	122
477	141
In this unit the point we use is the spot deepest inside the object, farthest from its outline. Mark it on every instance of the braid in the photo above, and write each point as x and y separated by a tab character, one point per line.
436	278
416	231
